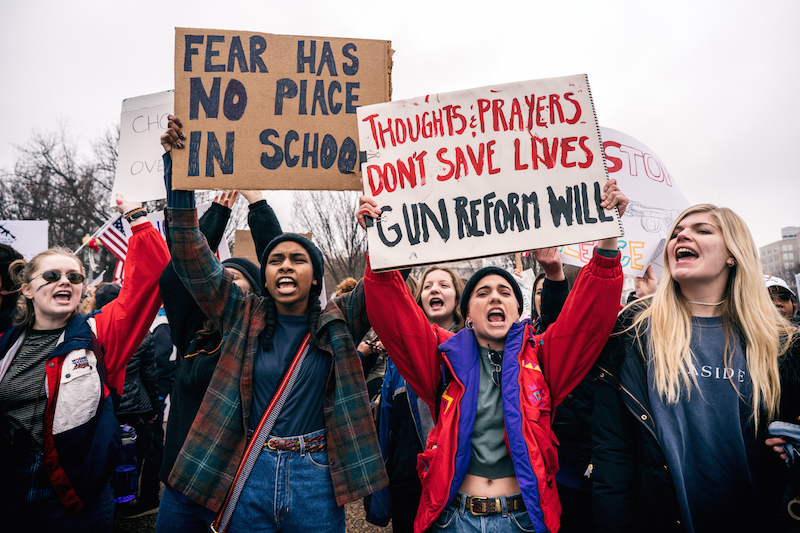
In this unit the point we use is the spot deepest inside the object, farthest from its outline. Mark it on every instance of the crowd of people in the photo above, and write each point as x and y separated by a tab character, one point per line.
428	398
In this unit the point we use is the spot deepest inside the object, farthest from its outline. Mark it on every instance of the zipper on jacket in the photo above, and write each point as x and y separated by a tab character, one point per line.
644	412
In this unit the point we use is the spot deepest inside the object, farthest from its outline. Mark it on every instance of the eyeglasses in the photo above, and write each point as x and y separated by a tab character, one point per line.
51	276
497	360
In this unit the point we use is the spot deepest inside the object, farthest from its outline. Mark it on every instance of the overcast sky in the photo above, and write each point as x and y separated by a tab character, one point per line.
711	87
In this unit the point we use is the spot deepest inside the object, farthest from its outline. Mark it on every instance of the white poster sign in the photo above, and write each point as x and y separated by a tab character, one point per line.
655	202
28	237
140	169
484	172
525	282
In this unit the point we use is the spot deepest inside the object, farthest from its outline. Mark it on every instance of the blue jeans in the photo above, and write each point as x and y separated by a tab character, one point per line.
177	513
28	502
289	492
457	519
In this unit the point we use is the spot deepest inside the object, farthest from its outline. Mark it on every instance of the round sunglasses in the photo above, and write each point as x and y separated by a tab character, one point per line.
497	360
51	276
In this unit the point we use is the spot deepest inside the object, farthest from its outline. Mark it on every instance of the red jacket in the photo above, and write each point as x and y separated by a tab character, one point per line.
538	373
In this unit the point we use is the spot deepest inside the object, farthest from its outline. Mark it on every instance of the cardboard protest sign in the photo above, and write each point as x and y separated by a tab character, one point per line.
263	111
483	172
140	169
28	237
525	282
243	246
654	202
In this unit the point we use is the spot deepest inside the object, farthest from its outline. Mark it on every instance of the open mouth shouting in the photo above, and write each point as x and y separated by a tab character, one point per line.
496	317
684	254
436	303
286	285
62	296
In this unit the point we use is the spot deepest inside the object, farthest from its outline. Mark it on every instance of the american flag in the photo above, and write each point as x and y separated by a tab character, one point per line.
115	239
119	272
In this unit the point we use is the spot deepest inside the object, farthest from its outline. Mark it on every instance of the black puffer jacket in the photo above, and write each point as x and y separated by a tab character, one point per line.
140	395
633	488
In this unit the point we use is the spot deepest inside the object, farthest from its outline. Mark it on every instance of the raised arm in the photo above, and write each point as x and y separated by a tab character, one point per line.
123	323
571	345
404	330
264	224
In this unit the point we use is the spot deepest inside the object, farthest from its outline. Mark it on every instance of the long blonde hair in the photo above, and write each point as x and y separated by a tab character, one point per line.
747	309
22	272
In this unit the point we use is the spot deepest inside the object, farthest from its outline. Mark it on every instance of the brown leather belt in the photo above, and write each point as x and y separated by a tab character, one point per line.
314	444
485	506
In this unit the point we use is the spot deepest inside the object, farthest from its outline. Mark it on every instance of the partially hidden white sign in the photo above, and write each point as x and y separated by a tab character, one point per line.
28	237
140	169
655	200
484	172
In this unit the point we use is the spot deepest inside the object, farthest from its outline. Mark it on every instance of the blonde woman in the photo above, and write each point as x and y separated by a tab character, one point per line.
688	387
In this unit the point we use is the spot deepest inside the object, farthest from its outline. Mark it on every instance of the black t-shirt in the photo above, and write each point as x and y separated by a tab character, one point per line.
302	413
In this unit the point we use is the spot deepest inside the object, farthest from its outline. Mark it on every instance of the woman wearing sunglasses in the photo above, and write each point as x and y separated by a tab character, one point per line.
58	368
490	461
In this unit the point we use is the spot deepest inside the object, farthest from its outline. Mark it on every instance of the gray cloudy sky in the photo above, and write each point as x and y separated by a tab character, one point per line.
711	87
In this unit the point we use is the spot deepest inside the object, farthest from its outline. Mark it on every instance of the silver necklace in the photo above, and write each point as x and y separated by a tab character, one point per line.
704	303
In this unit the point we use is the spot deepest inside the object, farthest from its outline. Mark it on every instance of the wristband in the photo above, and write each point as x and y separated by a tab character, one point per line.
136	214
132	211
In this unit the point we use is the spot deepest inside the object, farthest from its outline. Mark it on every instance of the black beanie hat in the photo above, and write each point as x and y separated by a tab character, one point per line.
479	275
106	294
7	256
317	261
248	269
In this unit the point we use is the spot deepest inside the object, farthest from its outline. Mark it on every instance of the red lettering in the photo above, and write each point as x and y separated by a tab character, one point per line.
461	162
439	156
538	114
427	127
437	121
371	119
550	157
555	106
497	115
489	153
530	105
616	161
517	164
483	106
588	152
388	130
566	148
397	125
516	112
373	189
421	161
407	173
386	168
411	135
476	164
577	116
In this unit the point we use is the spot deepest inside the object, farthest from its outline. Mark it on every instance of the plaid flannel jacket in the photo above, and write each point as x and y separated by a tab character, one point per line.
215	446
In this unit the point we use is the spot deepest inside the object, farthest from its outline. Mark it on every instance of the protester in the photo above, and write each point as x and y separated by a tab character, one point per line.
322	447
472	480
9	289
405	420
784	298
687	386
198	341
60	442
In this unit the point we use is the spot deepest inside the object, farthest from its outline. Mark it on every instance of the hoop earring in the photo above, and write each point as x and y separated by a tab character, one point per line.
468	324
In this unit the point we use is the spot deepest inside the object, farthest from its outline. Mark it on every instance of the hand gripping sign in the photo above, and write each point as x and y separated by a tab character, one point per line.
483	172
